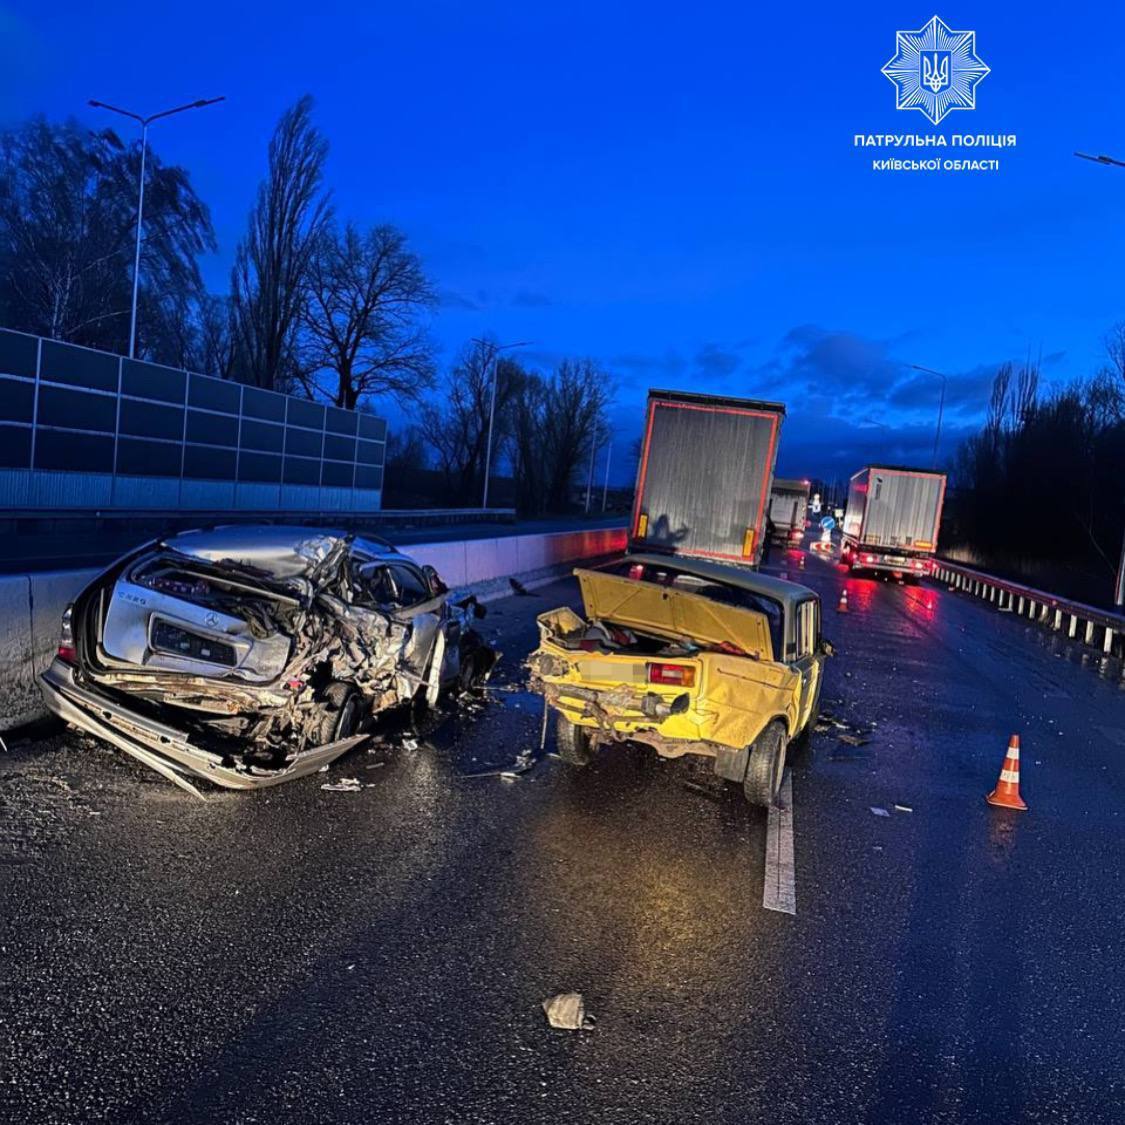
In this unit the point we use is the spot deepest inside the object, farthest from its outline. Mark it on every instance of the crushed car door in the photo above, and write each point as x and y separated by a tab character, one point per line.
403	591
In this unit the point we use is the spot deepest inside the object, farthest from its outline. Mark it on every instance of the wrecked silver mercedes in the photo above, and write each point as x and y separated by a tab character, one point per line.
252	655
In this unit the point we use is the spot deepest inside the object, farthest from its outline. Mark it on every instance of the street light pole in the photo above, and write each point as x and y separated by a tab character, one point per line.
940	409
144	123
493	361
1119	585
605	485
590	474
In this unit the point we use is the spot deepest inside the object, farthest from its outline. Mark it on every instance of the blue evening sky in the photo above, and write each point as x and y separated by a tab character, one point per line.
670	189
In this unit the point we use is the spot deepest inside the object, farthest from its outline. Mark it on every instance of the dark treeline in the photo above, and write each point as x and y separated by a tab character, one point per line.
317	304
1040	491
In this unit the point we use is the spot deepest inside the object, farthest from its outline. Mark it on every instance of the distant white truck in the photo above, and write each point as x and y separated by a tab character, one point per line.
892	520
789	503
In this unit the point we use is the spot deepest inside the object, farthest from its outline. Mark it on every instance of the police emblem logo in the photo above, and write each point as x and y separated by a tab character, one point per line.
936	70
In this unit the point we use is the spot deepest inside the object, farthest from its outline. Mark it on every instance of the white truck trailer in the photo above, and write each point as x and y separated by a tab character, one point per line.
789	509
892	520
703	482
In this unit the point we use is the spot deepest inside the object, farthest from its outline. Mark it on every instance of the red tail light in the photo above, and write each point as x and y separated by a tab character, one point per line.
66	650
674	675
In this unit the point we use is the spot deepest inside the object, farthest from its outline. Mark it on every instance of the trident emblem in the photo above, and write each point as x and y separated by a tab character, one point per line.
935	71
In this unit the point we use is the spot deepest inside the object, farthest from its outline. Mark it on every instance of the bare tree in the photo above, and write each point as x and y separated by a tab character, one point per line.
213	353
271	269
406	449
998	402
555	423
1115	348
68	203
362	334
456	426
577	398
1026	396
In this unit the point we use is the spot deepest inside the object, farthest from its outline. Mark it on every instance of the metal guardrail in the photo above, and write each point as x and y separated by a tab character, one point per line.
1100	628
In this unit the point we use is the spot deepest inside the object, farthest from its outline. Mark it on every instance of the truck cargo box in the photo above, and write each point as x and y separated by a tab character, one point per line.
893	518
789	507
704	477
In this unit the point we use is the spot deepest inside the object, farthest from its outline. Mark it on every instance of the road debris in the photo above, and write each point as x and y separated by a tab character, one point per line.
711	793
519	588
567	1010
879	811
344	785
903	808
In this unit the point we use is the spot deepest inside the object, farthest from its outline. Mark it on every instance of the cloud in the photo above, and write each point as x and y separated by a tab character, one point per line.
851	399
714	361
642	370
448	299
530	299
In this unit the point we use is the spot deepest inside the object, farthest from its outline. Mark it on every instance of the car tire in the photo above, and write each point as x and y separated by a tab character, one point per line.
803	740
766	767
339	714
573	743
467	673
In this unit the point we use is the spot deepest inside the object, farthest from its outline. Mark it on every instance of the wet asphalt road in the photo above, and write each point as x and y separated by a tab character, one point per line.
301	955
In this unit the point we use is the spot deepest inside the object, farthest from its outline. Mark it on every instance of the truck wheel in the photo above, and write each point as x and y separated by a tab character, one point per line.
573	743
767	764
339	715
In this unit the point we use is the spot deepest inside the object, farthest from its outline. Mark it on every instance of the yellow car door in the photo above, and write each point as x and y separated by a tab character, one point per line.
808	658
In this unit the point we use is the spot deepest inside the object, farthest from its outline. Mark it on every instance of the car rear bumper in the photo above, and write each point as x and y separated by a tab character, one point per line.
898	569
165	749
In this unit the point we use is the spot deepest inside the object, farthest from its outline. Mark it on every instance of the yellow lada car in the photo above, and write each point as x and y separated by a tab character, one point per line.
687	657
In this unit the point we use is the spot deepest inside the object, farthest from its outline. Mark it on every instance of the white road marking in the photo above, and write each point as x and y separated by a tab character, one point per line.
781	873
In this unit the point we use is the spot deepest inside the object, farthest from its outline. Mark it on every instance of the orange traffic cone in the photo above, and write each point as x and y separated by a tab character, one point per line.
1006	795
842	605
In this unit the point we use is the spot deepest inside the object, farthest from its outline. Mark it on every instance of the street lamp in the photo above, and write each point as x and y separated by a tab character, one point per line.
1101	159
144	123
494	351
940	409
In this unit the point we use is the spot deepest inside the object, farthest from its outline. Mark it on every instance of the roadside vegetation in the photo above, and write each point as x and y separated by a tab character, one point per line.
1039	490
317	305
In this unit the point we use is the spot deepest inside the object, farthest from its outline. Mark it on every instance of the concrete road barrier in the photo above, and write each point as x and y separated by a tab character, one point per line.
31	605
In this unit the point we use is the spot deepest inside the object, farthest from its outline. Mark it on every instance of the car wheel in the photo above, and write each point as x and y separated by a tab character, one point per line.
803	740
573	743
339	714
767	764
468	676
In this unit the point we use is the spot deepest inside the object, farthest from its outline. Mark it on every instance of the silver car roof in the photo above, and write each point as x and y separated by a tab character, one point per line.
278	550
